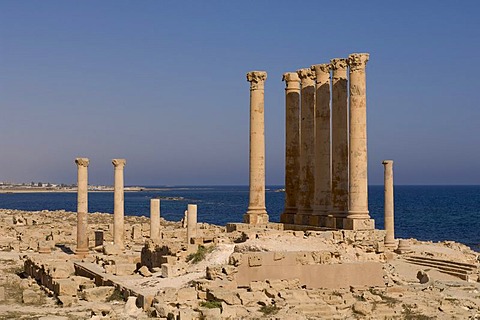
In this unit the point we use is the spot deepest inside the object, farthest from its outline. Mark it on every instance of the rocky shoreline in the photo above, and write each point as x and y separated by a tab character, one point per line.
41	278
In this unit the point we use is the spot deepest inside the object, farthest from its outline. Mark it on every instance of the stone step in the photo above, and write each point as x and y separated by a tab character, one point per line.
459	265
461	270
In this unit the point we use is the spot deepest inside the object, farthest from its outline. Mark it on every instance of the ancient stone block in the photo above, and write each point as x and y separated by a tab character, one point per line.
144	271
65	287
228	296
30	297
254	260
67	301
358	224
168	270
125	269
278	255
97	293
330	222
211	313
2	294
186	294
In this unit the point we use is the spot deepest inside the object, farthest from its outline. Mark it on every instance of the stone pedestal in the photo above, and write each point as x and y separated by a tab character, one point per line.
191	223
339	143
118	204
389	205
82	206
155	220
323	172
292	145
358	184
307	147
257	213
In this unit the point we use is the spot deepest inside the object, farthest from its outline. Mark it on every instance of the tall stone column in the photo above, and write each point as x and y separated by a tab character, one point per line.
389	205
257	213
118	204
307	146
292	145
191	223
358	215
155	220
339	144
82	206
323	169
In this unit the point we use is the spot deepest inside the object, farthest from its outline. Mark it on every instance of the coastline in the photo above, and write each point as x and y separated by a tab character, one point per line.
73	190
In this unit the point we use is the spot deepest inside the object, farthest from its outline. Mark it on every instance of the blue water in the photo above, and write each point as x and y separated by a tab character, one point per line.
424	212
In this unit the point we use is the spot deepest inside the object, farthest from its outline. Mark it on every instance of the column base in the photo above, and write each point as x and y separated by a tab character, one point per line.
390	244
287	217
302	219
255	218
81	252
358	224
352	214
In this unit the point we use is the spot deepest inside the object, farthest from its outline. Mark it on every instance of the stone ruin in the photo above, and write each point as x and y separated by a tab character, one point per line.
326	241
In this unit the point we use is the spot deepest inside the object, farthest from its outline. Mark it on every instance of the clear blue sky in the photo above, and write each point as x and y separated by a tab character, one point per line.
162	84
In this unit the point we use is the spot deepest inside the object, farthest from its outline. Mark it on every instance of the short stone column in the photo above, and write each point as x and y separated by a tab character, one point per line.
339	144
358	215
323	170
191	223
389	205
118	204
292	145
155	220
82	206
257	213
307	147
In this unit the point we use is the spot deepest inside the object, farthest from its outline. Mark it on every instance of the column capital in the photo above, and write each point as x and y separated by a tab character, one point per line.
338	64
321	68
292	81
386	162
82	162
306	75
357	61
119	163
256	79
322	72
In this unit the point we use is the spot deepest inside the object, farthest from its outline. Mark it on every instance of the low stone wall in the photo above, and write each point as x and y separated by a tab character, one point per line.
312	269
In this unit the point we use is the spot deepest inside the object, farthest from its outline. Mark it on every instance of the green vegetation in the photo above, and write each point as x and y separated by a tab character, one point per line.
211	304
200	255
409	314
115	296
269	310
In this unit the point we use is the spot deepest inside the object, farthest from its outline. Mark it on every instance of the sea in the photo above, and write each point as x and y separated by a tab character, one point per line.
436	213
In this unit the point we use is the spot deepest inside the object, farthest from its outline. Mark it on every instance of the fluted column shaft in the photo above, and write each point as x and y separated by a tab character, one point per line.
339	138
118	204
323	171
155	220
82	205
292	145
257	213
358	177
389	204
307	146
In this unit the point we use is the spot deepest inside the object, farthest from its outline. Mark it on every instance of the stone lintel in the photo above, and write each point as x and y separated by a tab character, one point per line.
358	224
